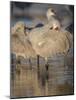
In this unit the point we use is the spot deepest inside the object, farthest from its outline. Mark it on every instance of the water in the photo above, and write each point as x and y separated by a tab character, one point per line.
57	80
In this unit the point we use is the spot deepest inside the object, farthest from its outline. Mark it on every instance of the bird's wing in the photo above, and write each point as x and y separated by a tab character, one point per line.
40	44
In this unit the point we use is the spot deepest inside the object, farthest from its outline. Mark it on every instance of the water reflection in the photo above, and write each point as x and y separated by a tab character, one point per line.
58	80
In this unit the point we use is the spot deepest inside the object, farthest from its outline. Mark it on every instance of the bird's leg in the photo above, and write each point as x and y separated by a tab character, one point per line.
64	60
46	64
65	55
64	65
18	61
18	65
13	67
30	63
38	62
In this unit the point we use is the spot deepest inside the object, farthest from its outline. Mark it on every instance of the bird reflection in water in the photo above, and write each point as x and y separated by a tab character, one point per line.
43	77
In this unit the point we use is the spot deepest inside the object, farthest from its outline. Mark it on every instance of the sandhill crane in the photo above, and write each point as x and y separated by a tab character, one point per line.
47	42
20	45
51	16
59	21
51	38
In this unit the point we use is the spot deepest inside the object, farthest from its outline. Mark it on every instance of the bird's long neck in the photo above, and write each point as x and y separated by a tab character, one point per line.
51	18
22	37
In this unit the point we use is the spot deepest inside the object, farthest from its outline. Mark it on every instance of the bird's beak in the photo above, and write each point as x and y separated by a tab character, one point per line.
29	28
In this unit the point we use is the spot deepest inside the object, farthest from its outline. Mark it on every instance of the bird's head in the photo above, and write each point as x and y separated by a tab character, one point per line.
50	12
18	28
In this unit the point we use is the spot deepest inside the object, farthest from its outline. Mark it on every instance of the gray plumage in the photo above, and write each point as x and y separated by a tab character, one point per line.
21	46
48	42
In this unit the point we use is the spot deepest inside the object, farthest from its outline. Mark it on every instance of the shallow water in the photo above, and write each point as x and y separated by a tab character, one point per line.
29	81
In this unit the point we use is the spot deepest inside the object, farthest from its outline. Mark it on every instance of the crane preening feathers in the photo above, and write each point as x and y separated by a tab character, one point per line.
50	42
45	41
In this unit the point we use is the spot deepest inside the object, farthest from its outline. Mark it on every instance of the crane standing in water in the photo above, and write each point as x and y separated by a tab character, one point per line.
50	39
21	46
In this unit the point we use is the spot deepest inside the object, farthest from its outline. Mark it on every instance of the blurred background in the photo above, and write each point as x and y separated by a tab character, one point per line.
34	13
